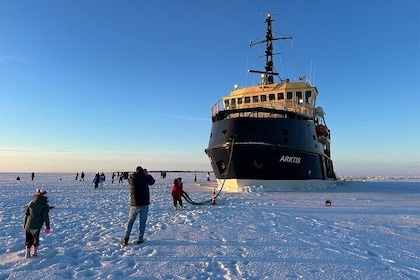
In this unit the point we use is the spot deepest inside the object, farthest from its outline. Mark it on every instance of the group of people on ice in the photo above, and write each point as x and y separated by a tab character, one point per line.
140	199
82	176
37	210
99	179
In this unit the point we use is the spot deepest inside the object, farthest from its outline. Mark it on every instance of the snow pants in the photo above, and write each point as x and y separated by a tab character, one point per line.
32	237
177	200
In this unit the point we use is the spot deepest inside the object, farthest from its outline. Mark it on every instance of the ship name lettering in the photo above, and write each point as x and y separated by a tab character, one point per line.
290	159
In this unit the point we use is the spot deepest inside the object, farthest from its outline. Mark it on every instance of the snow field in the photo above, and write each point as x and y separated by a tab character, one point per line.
371	231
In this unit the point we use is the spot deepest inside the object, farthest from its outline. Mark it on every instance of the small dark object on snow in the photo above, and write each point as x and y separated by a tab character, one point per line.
327	202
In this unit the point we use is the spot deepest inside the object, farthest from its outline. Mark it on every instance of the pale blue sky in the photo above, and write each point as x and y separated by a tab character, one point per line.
105	85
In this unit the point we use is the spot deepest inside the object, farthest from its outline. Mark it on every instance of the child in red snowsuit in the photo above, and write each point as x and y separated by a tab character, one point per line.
177	193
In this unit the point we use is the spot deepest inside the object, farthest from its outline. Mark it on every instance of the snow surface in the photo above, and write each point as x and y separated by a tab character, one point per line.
371	231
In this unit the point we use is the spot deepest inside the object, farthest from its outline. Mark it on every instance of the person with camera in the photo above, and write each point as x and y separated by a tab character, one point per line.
139	183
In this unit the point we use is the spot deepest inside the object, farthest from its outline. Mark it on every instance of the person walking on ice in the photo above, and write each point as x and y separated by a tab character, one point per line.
139	203
96	180
37	214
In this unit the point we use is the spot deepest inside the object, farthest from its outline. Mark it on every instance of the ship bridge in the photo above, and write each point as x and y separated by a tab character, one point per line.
286	97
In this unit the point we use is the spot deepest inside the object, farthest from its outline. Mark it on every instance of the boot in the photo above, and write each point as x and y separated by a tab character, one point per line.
28	252
35	251
124	242
140	239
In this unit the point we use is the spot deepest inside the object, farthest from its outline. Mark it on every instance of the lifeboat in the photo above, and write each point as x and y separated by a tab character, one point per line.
321	130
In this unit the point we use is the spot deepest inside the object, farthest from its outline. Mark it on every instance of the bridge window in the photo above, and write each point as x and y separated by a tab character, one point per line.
289	95
227	104
233	103
308	95
263	98
255	98
299	97
240	100
247	99
280	95
271	97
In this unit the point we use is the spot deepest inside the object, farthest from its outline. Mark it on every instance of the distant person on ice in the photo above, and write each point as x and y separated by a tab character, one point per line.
96	180
82	176
208	176
102	179
32	176
37	213
139	204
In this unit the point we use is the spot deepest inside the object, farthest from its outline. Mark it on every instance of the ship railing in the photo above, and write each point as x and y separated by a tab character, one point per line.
283	105
217	108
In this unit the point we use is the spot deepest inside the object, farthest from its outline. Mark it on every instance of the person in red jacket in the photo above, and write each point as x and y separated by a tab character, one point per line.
177	193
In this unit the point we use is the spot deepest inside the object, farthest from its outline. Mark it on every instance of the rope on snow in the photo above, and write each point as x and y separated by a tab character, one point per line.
189	200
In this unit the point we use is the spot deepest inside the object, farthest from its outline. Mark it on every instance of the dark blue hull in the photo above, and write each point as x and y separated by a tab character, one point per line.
271	149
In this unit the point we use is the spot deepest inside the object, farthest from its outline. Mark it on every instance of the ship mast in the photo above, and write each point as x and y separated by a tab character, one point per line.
269	65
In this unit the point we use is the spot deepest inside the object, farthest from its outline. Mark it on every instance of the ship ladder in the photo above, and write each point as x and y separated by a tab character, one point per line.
188	198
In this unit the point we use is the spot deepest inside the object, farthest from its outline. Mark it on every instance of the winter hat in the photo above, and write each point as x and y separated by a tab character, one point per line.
139	169
40	191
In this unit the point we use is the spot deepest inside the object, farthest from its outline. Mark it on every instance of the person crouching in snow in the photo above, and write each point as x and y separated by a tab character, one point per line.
177	193
37	213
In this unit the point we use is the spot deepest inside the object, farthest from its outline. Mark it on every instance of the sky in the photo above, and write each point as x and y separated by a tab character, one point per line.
366	233
109	85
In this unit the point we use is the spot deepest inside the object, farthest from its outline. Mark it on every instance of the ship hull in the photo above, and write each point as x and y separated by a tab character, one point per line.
275	153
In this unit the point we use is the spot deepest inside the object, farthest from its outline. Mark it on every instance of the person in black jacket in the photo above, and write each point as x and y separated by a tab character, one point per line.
139	203
96	180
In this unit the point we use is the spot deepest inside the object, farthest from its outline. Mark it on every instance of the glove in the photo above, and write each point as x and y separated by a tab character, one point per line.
47	230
